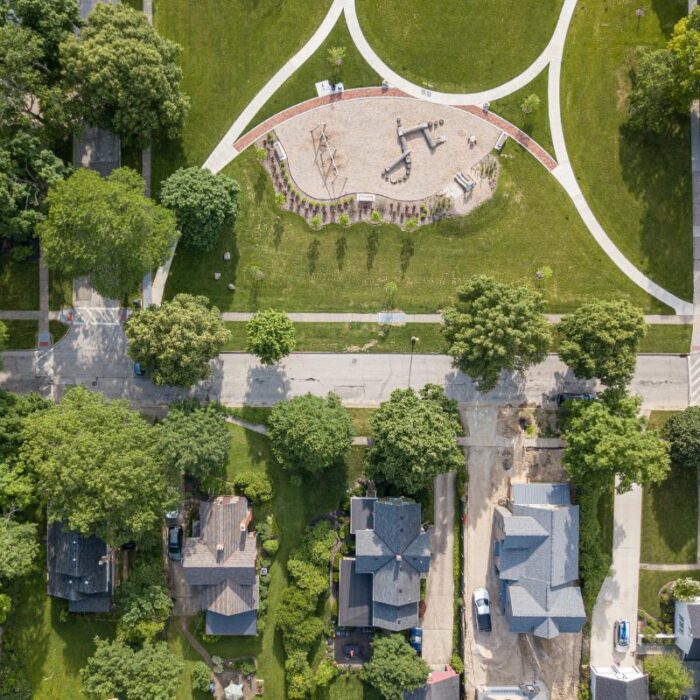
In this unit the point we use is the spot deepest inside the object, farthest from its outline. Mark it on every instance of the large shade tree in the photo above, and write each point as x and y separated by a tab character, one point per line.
177	339
107	229
18	547
97	465
124	76
604	442
601	339
494	327
394	667
309	432
683	433
270	336
414	439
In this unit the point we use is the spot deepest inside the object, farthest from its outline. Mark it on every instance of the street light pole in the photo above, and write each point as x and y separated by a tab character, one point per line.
414	340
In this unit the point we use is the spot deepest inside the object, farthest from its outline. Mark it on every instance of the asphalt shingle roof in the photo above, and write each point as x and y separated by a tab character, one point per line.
361	514
355	604
607	688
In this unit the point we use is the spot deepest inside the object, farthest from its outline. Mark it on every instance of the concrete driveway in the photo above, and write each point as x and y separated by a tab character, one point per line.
439	613
618	596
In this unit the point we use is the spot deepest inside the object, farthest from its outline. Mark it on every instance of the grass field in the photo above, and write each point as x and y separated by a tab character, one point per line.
638	188
19	284
651	582
670	512
293	507
529	223
230	50
458	45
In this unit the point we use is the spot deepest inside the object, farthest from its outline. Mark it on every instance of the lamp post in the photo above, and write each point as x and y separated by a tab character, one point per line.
414	340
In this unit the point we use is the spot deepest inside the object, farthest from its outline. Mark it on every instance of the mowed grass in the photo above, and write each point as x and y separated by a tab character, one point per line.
53	650
458	45
670	512
230	50
529	223
19	284
667	338
638	187
355	72
651	582
293	507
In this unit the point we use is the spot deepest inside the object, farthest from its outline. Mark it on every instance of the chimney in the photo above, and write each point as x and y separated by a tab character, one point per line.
246	521
219	552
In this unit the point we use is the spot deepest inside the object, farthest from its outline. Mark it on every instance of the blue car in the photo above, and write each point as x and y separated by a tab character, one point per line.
416	639
138	370
622	635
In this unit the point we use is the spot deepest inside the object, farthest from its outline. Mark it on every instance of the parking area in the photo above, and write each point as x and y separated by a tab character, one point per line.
495	455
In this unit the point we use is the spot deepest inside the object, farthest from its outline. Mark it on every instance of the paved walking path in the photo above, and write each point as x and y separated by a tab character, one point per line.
670	567
194	643
439	598
618	596
26	315
44	338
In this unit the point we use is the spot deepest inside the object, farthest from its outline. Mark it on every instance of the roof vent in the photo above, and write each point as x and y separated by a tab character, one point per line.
398	557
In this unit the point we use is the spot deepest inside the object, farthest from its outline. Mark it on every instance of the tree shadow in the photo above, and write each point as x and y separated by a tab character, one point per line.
277	233
372	248
341	248
312	255
260	185
407	252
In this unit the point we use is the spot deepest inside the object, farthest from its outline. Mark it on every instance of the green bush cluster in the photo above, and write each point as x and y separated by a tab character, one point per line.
594	560
255	486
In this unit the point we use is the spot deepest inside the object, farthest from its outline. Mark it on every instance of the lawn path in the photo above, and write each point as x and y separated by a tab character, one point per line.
670	567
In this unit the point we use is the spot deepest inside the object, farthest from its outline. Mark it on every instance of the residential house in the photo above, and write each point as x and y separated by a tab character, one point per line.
380	586
526	691
441	685
80	570
619	683
536	556
687	628
220	566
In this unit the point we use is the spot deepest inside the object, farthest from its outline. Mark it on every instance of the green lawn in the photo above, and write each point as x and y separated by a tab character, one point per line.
293	507
22	334
535	124
53	650
529	223
355	72
19	284
663	338
230	50
670	512
458	45
638	188
606	505
651	582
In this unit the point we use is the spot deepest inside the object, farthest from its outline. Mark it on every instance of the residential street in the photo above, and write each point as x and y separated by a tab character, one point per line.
438	620
618	596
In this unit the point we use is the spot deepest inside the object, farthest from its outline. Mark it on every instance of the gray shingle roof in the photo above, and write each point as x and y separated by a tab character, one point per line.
222	559
361	514
538	560
243	624
77	570
607	688
694	616
393	556
355	604
447	689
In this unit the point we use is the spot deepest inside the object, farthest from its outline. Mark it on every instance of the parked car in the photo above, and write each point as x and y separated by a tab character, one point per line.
581	396
172	516
622	635
138	370
482	609
416	639
175	543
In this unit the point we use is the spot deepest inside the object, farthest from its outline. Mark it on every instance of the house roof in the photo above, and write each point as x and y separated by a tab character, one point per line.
693	608
77	569
620	684
361	513
441	685
394	553
243	624
537	560
355	598
222	559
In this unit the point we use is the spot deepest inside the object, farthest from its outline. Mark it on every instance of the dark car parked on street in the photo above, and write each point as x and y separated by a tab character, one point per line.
175	543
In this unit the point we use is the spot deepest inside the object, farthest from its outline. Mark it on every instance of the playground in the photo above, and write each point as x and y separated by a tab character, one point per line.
399	148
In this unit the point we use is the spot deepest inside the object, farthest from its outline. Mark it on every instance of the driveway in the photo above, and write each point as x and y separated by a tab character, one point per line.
439	613
618	595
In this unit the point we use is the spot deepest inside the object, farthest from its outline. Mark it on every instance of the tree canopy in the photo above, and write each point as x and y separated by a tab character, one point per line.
668	678
107	229
195	440
271	336
652	103
494	327
414	439
124	76
4	339
604	442
97	465
202	203
117	671
394	667
309	432
18	547
177	339
601	339
683	433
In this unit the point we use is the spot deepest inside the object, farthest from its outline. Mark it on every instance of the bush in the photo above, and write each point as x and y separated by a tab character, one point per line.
245	665
218	664
271	547
594	562
457	663
255	486
686	589
201	676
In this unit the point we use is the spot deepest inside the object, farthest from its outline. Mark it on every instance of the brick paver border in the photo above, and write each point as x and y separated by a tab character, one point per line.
518	135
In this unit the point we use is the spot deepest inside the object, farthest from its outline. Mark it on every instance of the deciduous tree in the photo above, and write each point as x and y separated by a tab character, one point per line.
271	336
653	106
124	76
394	667
495	327
98	467
668	678
18	547
309	432
683	433
177	339
414	439
202	203
601	339
107	229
